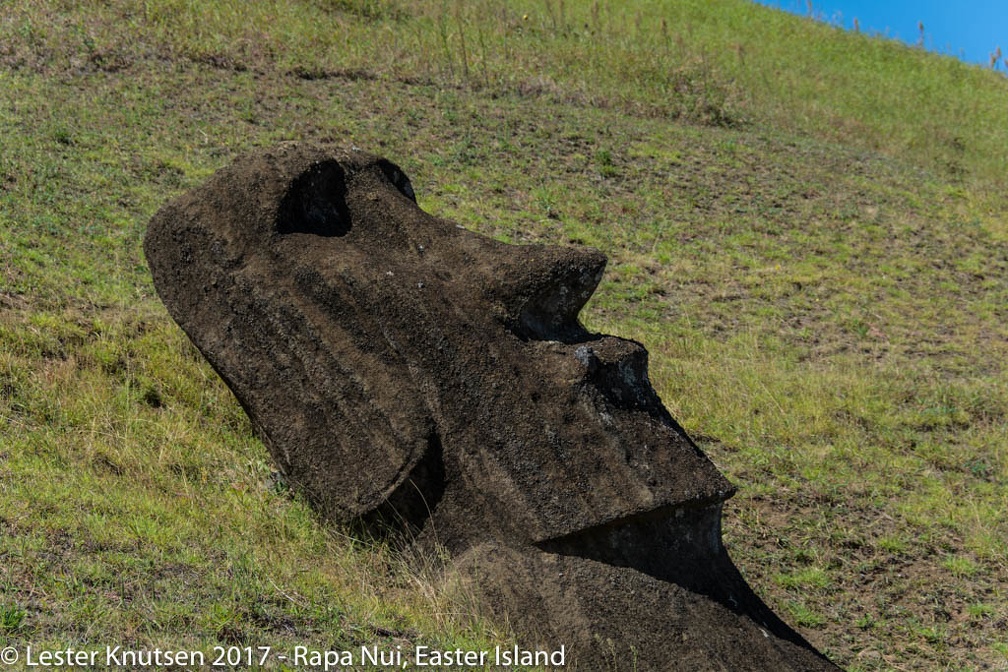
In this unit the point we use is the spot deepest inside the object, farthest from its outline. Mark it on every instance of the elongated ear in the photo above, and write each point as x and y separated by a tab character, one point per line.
257	268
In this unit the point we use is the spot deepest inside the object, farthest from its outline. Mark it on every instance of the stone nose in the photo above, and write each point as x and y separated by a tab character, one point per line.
543	288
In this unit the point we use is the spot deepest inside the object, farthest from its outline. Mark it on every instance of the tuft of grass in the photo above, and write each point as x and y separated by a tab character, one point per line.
980	611
961	566
804	616
12	617
809	578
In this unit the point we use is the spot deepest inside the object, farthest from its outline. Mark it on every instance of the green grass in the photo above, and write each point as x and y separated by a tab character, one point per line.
805	229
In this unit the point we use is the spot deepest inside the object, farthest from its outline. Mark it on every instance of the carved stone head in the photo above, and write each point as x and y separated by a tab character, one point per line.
407	373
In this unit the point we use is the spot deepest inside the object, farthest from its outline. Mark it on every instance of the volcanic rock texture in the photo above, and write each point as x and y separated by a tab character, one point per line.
409	375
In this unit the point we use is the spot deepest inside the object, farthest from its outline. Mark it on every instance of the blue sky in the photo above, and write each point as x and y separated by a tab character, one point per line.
967	29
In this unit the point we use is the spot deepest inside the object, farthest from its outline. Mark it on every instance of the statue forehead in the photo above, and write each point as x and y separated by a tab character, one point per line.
334	215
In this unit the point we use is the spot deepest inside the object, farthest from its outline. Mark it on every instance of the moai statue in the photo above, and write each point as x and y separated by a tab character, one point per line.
407	374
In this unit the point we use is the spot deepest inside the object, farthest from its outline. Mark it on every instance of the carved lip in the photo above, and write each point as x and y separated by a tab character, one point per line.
695	526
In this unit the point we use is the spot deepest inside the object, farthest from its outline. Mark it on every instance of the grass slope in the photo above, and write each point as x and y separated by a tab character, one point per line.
804	228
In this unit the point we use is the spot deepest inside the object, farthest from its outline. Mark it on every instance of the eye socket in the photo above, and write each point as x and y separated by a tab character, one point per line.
397	177
315	203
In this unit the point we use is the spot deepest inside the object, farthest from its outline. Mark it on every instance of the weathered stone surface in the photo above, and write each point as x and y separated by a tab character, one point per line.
408	374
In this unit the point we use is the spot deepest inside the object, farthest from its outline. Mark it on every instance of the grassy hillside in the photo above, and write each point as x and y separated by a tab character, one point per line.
805	228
